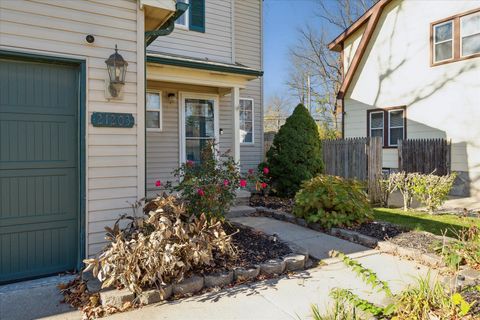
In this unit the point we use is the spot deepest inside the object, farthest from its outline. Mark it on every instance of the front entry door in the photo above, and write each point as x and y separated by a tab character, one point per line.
39	191
200	124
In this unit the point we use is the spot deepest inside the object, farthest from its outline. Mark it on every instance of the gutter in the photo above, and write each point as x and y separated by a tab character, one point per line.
168	26
204	66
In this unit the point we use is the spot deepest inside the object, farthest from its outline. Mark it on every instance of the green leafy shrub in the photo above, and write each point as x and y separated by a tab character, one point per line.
295	154
332	201
432	190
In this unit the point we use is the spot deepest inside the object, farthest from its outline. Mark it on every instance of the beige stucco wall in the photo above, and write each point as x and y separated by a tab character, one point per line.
114	156
442	101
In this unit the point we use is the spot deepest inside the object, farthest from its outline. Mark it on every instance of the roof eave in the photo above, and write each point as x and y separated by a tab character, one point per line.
204	66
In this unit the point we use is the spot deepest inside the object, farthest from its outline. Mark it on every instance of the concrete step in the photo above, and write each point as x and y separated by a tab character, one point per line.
240	211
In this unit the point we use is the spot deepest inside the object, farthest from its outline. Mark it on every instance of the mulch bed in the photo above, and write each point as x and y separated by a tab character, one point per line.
379	230
471	294
283	204
253	247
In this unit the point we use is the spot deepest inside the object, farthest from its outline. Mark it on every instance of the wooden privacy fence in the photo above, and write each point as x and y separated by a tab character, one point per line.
424	156
355	158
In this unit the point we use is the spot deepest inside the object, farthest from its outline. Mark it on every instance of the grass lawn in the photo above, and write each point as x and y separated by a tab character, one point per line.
423	221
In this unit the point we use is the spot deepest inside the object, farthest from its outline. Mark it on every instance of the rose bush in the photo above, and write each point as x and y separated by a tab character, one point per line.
209	187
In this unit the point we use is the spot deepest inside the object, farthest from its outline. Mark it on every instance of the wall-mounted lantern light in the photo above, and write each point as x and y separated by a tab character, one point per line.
117	68
172	98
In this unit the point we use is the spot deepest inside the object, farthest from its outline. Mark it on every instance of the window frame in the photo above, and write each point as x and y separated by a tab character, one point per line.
397	127
457	39
253	121
186	14
160	111
434	44
370	123
461	36
386	124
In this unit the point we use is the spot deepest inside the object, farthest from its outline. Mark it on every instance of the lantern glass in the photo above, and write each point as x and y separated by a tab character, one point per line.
117	68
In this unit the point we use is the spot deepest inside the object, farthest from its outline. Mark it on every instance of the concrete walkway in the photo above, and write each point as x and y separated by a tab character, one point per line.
288	297
285	298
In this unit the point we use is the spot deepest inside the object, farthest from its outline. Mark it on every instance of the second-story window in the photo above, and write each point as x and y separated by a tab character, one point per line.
456	38
443	41
182	21
470	34
194	18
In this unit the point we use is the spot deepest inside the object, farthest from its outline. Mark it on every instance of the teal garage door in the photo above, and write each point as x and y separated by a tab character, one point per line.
38	168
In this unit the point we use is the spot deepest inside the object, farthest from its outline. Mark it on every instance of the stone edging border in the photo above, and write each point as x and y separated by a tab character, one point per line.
465	276
297	260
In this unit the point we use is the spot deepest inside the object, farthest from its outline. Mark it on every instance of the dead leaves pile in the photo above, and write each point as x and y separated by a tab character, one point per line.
160	247
76	294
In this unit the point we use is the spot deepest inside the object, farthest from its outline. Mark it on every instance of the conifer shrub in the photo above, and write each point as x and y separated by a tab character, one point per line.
333	201
295	154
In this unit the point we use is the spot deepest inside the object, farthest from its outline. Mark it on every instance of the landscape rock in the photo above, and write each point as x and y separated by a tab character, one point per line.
301	222
294	262
219	280
409	252
155	295
432	260
245	274
116	298
189	285
470	274
273	267
386	246
367	241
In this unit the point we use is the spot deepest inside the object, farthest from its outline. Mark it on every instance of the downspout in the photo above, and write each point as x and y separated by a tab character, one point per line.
168	26
150	36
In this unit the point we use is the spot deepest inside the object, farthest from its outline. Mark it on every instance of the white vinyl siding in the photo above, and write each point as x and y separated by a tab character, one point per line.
215	44
59	28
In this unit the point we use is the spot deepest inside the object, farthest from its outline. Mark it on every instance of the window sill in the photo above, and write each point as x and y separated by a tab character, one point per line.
247	144
154	129
434	64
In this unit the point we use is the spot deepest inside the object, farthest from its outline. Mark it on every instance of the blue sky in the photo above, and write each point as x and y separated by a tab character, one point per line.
282	19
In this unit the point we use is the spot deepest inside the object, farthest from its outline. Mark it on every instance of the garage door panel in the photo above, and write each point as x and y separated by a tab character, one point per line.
39	88
44	248
39	141
33	196
39	212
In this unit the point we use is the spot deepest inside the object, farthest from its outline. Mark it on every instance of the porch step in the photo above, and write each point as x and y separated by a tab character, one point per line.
240	211
243	198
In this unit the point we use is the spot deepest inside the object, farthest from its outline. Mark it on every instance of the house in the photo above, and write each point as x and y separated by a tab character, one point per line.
412	70
81	141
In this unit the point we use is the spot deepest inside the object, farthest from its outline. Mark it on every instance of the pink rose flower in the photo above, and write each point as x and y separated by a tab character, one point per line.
226	182
243	183
158	183
266	170
264	185
200	192
189	163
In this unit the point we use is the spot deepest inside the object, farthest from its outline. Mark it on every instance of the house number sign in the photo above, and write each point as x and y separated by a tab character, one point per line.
112	120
